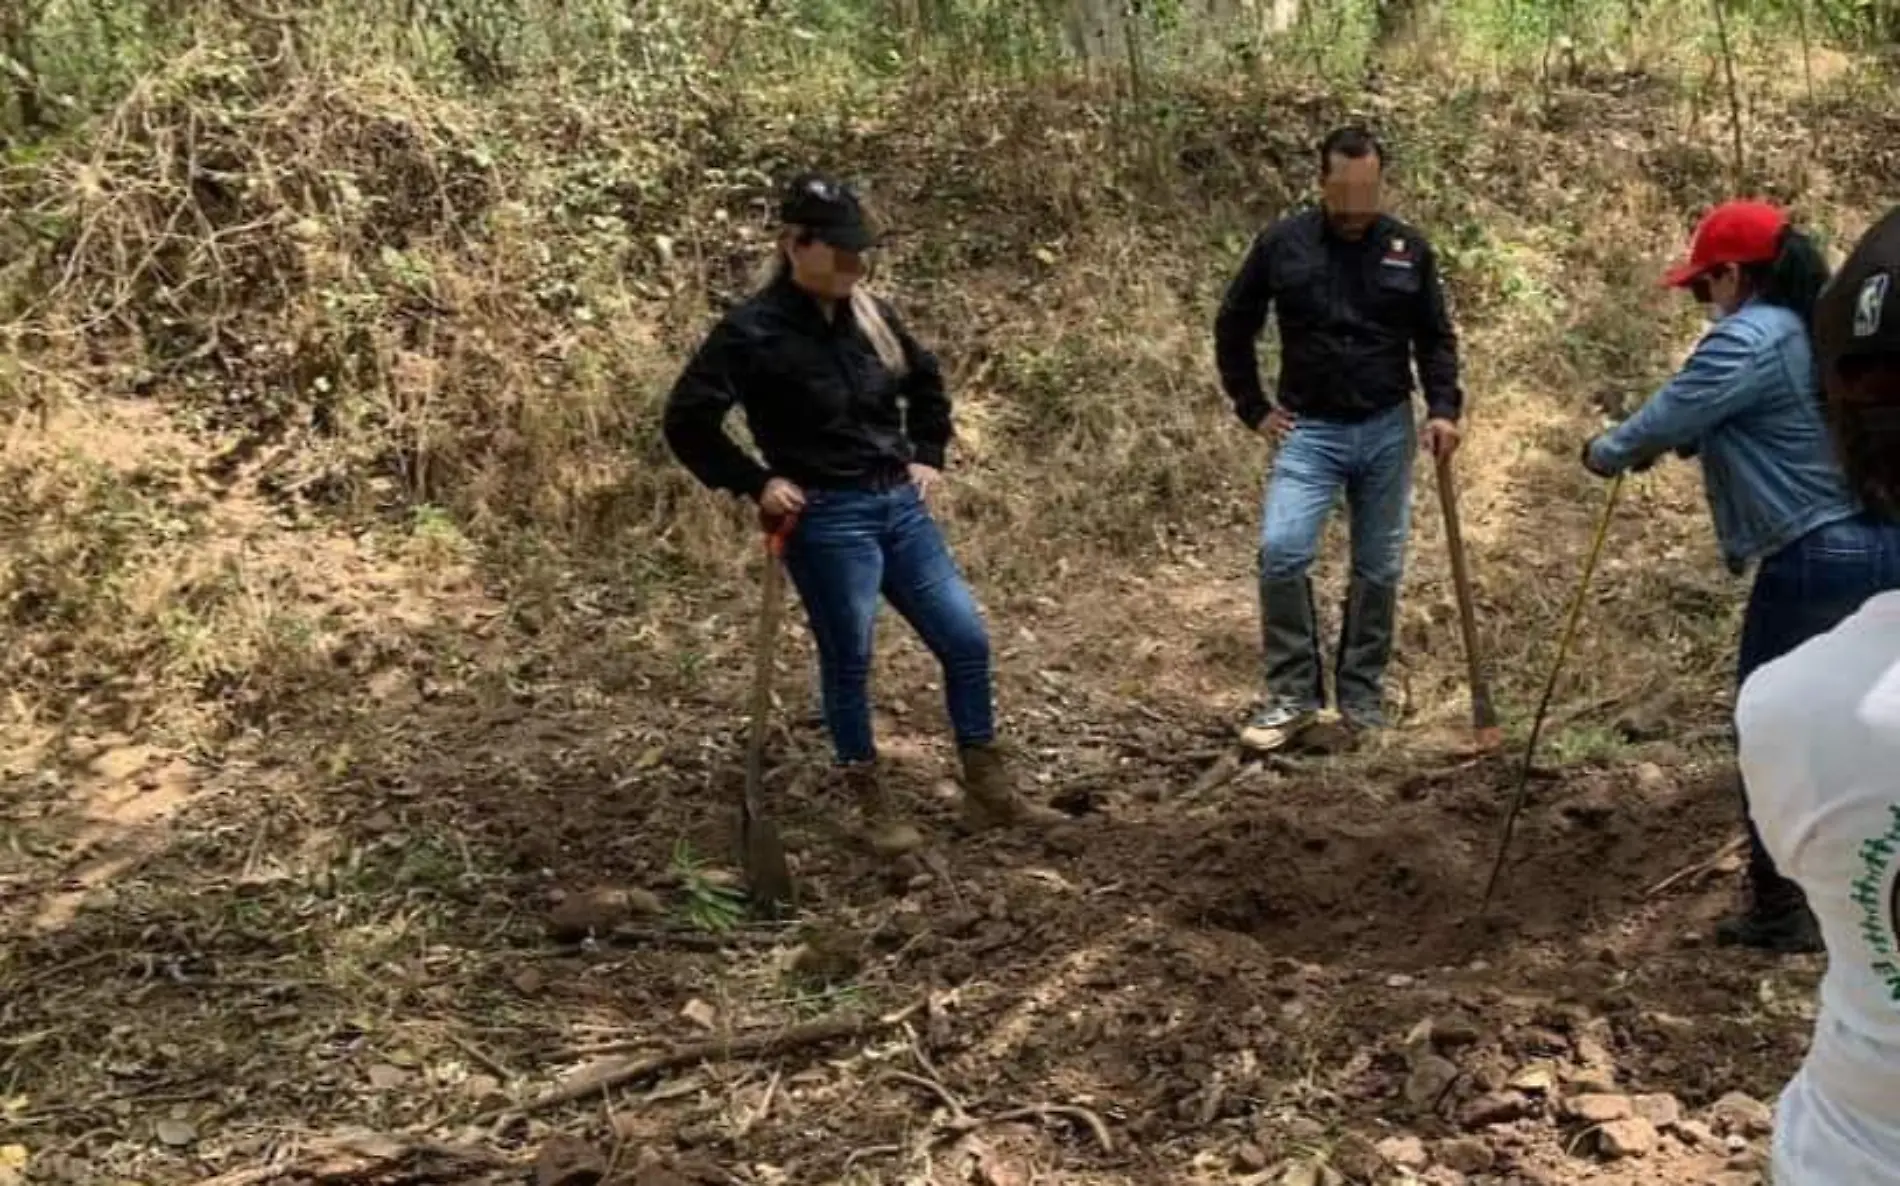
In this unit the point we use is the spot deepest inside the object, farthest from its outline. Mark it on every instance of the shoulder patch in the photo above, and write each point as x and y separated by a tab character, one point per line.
1871	304
1876	891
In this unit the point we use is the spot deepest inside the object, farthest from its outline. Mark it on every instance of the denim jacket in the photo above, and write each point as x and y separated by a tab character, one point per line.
1748	403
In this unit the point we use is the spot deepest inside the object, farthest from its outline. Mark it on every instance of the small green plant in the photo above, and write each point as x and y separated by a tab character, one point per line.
711	903
812	999
1585	743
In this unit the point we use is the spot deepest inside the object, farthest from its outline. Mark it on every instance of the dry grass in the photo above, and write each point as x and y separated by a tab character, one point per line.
361	303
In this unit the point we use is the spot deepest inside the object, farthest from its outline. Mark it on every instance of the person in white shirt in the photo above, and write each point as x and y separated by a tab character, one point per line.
1819	732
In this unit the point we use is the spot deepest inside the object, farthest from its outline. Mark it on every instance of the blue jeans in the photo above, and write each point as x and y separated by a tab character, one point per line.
1806	589
849	548
1370	460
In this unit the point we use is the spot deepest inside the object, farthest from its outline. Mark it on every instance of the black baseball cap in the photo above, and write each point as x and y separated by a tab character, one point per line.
1858	313
829	209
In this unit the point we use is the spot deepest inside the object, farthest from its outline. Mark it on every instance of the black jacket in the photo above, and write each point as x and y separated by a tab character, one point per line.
823	409
1352	315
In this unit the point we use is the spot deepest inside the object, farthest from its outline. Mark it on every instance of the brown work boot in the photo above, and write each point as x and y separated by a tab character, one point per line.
885	833
989	793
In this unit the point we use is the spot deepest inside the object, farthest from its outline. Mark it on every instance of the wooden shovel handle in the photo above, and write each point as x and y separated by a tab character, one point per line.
1484	717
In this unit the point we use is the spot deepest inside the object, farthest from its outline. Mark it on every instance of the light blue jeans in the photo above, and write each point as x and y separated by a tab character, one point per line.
1371	462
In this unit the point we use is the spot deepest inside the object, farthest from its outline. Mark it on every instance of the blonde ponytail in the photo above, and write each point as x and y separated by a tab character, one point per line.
871	320
771	270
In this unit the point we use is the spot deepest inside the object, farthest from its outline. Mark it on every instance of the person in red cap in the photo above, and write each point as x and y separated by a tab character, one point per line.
1748	403
1820	743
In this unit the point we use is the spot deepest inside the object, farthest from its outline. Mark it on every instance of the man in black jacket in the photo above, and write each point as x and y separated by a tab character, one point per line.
1359	297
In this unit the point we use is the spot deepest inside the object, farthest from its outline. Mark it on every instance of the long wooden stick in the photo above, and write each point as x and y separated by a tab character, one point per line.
765	1044
1550	685
1484	717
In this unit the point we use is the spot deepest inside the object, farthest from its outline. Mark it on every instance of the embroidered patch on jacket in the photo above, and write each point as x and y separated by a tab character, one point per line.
1398	254
1871	303
1877	892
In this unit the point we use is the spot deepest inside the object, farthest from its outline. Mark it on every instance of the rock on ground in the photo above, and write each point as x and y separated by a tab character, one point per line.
599	911
1430	1079
1743	1115
1498	1107
1697	1134
568	1161
1597	1108
1661	1110
1467	1155
1632	1137
1406	1153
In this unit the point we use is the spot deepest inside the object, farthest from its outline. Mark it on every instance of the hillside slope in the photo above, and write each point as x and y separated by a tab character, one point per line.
356	617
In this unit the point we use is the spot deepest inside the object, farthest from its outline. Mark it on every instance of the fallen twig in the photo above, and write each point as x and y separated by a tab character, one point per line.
494	1065
1732	848
757	1114
962	1120
759	1045
1076	1112
870	1151
957	1111
620	938
1222	772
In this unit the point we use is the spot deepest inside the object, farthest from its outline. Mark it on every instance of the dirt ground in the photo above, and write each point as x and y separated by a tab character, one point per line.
329	954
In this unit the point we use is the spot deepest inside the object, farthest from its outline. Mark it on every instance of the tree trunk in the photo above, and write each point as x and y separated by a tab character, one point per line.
1096	30
1280	16
16	44
1394	19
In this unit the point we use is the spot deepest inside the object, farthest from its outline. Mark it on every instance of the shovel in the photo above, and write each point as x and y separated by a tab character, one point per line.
1484	717
768	880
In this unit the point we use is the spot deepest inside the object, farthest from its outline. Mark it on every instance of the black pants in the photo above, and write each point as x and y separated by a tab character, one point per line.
1804	590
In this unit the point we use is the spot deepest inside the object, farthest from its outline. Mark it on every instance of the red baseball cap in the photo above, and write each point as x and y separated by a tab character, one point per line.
1738	232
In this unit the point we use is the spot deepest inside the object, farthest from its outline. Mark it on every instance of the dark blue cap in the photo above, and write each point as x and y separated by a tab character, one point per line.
829	210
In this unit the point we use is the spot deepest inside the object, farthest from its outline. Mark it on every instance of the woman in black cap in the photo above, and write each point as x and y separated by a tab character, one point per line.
852	418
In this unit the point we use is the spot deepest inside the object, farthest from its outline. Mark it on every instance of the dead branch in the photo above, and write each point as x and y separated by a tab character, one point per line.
753	1117
761	1045
1734	89
958	1113
1074	1112
963	1121
1732	848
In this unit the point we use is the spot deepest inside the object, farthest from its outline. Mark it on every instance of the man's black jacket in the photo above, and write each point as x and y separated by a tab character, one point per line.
1351	316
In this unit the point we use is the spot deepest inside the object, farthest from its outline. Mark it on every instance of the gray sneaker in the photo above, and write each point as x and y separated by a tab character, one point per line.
1275	727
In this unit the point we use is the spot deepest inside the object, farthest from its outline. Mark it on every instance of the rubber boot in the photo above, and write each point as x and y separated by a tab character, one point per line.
1365	646
1295	693
989	793
885	833
1777	917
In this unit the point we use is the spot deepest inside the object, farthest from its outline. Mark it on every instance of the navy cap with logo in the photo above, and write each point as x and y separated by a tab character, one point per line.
829	209
1858	313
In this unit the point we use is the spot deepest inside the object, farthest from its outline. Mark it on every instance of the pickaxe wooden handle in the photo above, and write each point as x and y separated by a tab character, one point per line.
1484	717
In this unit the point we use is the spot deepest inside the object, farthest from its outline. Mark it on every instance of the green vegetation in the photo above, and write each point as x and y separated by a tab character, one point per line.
435	264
